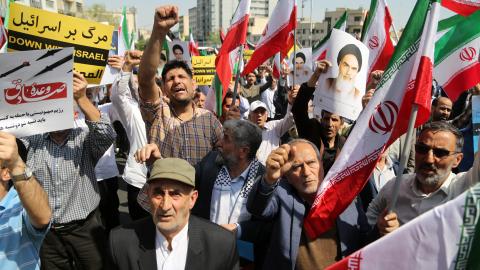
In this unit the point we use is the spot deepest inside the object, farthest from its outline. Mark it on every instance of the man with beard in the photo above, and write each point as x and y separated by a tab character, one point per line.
224	177
441	109
349	62
178	128
437	151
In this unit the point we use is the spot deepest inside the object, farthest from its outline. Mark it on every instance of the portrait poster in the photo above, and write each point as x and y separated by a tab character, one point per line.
475	121
35	29
303	58
178	50
341	88
36	93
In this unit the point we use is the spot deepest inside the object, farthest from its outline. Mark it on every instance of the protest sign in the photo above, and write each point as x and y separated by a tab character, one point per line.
36	93
340	90
475	121
203	69
302	59
110	73
247	54
178	50
35	29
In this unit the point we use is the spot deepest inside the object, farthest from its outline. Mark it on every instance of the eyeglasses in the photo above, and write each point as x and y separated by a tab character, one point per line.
437	152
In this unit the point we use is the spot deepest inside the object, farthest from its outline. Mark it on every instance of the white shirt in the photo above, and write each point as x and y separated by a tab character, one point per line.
271	134
129	113
267	98
412	202
177	257
106	166
382	176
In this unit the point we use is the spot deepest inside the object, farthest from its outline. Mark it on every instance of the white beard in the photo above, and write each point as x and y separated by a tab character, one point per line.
344	86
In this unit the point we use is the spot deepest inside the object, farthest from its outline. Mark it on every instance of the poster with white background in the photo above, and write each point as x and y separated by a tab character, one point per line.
36	93
341	88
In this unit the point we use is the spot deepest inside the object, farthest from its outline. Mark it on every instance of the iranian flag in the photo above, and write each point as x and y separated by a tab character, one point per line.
406	81
376	36
3	34
457	66
446	237
236	36
319	51
192	46
276	36
124	38
462	7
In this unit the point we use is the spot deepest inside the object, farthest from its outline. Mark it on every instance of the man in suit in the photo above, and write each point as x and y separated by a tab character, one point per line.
172	238
294	172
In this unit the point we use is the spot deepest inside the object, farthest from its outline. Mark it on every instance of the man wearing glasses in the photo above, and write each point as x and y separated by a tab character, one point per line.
437	151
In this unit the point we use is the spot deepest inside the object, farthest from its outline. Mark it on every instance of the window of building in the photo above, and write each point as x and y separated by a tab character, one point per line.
79	7
50	4
357	18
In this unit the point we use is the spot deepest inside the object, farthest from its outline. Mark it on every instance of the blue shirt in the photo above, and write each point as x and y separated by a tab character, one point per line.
19	241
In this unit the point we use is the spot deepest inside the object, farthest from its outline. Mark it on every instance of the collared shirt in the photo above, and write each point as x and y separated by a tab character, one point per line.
67	171
128	110
190	140
272	133
412	202
177	257
267	98
19	241
382	176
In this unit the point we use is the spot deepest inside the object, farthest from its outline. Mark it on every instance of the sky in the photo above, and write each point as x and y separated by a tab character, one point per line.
400	9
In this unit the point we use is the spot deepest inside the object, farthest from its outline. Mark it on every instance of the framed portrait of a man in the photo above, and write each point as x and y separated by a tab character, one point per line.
340	90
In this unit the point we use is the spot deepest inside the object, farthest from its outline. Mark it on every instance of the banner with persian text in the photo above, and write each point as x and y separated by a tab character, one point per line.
36	29
36	93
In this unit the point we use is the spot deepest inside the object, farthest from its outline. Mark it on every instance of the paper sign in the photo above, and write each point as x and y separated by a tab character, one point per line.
35	29
247	54
178	50
303	72
475	121
203	69
36	94
111	73
340	90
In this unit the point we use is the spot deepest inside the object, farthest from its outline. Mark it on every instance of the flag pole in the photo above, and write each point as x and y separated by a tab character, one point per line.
404	157
294	55
237	76
279	68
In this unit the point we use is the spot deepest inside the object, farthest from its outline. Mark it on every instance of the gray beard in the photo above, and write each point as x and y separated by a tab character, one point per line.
344	86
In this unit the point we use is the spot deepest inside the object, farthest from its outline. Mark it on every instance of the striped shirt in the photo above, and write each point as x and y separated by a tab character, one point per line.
19	241
190	140
67	171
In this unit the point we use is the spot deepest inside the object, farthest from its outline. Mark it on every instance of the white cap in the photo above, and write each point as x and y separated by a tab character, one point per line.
257	104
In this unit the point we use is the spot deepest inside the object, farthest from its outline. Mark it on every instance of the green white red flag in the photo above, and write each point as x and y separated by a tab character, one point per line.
319	51
462	7
444	238
124	37
277	35
376	35
236	36
406	81
457	49
192	46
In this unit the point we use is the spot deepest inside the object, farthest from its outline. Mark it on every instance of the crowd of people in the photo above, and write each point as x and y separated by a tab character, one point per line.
199	184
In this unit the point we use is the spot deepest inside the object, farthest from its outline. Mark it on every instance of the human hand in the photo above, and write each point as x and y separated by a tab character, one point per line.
165	18
115	61
292	94
387	222
278	163
9	156
147	152
132	59
79	86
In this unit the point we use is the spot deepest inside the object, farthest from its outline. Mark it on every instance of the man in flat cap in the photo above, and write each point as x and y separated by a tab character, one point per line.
349	62
172	238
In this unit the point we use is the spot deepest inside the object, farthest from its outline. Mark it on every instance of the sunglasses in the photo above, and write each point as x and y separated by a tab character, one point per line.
437	152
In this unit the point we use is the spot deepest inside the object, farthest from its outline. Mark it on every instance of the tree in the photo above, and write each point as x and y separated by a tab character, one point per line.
98	13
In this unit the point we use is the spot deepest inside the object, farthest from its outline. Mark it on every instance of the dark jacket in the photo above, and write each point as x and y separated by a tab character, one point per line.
282	205
132	247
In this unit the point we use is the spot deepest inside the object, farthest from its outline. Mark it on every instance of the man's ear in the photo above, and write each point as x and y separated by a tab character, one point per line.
458	159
